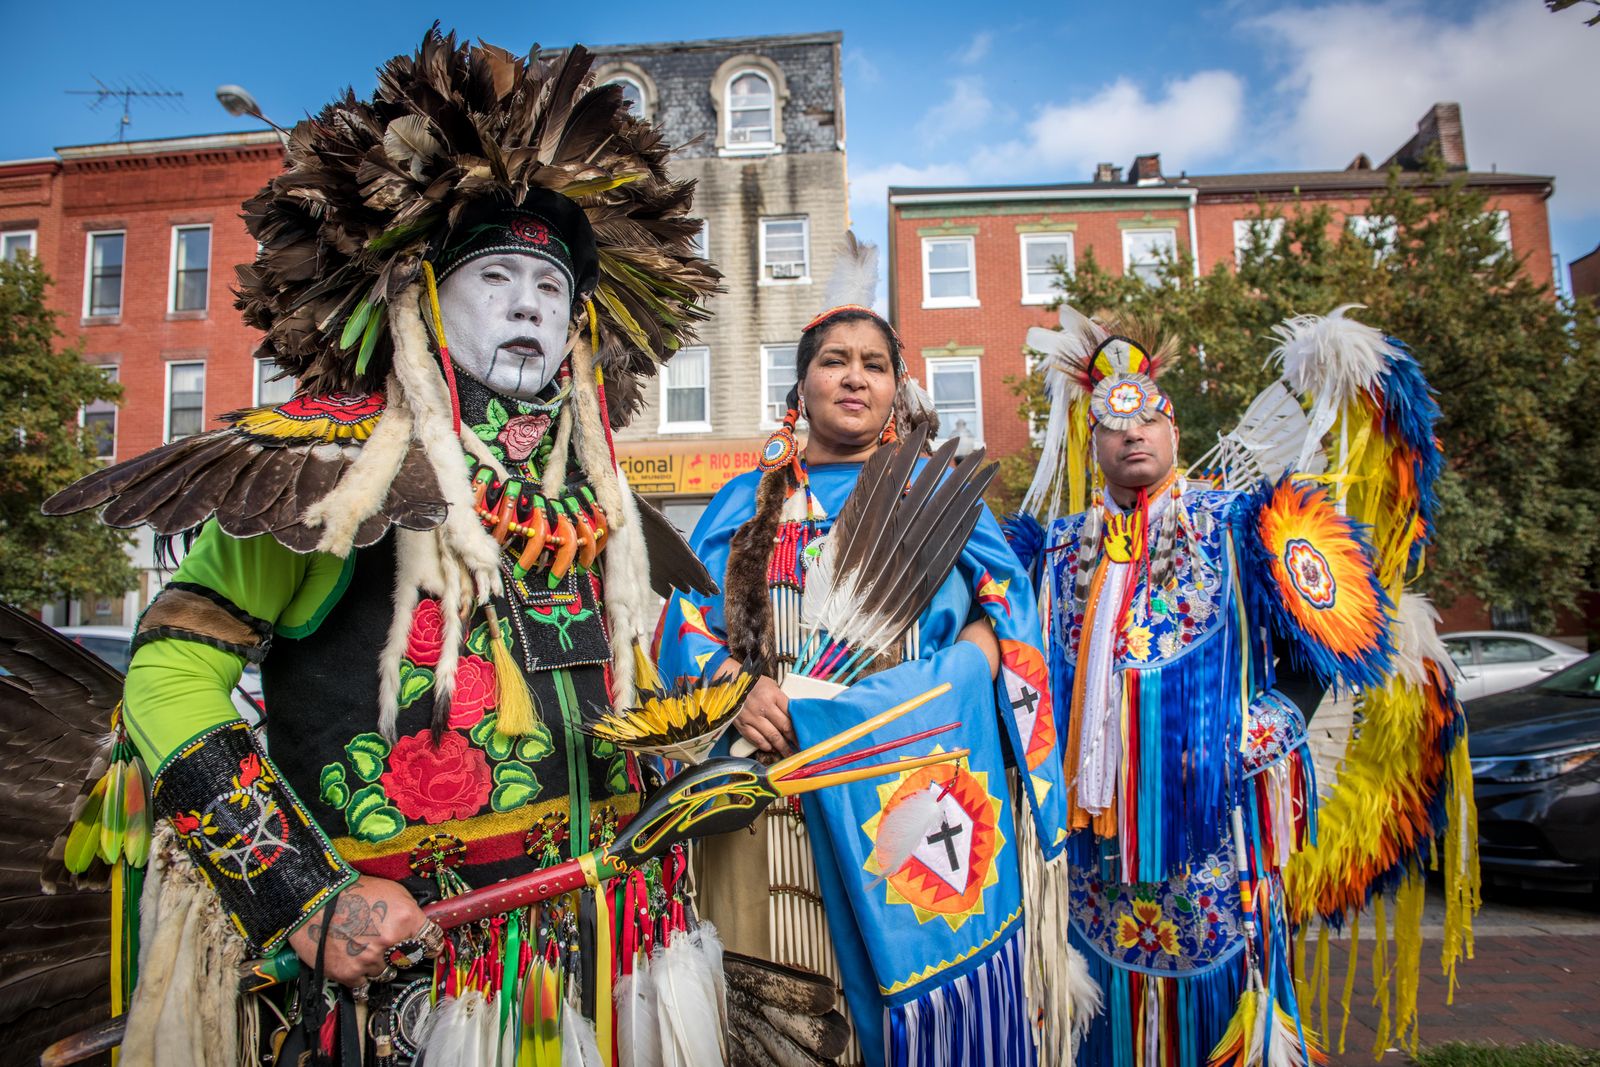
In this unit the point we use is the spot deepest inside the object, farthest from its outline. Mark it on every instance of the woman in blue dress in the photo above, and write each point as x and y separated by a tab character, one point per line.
934	956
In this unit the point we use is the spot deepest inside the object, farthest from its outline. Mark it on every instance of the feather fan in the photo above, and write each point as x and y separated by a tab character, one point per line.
890	549
689	984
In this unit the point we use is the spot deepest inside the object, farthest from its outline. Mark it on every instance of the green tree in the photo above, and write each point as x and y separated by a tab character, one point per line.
43	449
1516	370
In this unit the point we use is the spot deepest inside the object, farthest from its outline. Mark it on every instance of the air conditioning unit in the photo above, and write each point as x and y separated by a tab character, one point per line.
787	270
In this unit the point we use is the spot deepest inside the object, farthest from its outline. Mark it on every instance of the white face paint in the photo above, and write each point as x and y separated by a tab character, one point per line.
505	318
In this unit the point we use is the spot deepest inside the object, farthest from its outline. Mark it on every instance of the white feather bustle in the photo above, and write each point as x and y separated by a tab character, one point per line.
364	485
1416	640
185	1006
1330	361
1062	350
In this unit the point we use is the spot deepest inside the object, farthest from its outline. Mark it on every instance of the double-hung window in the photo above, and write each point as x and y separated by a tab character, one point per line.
102	290
191	268
686	391
1255	238
100	422
269	388
18	243
777	378
785	250
186	399
1044	257
1143	252
948	276
953	384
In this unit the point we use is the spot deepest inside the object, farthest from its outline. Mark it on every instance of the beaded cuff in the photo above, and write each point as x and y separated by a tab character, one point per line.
248	833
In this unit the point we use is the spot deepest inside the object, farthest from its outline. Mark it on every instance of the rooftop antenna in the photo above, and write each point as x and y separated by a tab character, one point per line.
127	93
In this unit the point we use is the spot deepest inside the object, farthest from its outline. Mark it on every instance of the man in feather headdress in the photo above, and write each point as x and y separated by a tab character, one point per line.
433	556
1192	631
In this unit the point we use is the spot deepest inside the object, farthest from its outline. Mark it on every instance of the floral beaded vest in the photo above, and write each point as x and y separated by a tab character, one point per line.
476	806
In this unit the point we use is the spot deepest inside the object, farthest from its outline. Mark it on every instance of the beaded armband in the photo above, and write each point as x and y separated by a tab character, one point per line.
248	833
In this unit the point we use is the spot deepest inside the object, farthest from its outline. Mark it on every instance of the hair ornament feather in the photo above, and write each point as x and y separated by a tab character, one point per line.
853	286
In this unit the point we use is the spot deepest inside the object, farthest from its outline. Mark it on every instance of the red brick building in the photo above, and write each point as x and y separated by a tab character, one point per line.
141	239
971	268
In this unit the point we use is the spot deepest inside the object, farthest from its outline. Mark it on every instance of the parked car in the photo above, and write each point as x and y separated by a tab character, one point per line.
113	644
1536	772
1493	661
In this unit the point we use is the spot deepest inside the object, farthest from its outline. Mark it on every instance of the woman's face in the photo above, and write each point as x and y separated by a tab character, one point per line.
848	390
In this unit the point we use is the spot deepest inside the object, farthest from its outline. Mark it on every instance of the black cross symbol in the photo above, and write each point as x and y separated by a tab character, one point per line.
946	837
1029	697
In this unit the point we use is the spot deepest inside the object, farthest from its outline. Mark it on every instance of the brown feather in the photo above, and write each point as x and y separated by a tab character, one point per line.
673	564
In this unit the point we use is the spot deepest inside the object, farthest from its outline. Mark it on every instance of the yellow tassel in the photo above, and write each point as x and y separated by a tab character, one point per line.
515	716
1350	976
1324	979
1408	958
1380	973
1302	985
1462	880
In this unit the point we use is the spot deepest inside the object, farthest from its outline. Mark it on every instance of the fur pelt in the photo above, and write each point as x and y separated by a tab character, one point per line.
744	600
364	486
185	1007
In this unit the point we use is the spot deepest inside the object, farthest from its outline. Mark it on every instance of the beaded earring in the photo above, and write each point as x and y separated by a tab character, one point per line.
781	448
890	434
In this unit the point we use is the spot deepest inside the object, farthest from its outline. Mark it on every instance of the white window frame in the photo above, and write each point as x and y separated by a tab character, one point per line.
166	398
702	426
1502	230
260	376
1242	229
1168	232
1070	259
33	241
172	268
931	301
116	409
702	241
767	421
937	365
773	115
88	272
805	250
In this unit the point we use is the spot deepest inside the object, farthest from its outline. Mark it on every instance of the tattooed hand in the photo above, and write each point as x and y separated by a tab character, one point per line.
362	924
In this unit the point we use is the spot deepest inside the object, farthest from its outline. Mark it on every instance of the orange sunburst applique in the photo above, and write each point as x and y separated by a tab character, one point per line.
1324	588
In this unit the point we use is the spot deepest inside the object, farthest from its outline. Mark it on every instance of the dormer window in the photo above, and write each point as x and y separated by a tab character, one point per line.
749	91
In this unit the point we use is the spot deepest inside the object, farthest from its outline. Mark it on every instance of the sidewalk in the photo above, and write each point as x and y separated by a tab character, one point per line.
1535	975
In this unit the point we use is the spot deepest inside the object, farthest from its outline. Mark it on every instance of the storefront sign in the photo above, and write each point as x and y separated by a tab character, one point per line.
654	471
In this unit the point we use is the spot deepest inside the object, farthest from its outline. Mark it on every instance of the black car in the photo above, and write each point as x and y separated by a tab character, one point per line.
1536	770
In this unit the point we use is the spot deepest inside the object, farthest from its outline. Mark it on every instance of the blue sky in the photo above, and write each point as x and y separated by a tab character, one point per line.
937	92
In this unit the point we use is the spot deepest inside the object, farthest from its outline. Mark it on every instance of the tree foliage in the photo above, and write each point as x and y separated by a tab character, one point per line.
1516	370
43	449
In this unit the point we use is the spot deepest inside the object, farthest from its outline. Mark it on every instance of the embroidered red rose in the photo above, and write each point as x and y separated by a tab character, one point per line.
431	784
529	230
475	692
341	407
185	824
522	434
426	640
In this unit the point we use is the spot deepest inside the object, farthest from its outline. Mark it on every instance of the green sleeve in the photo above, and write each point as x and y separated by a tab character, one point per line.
178	689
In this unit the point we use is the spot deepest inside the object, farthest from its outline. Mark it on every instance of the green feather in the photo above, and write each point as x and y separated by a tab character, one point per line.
83	842
113	819
369	340
136	842
355	324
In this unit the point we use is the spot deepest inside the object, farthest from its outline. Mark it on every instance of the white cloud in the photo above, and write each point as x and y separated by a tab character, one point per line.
1193	121
977	49
967	108
860	67
1360	75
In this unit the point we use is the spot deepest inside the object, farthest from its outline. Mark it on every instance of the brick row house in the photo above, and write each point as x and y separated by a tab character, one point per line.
141	239
971	268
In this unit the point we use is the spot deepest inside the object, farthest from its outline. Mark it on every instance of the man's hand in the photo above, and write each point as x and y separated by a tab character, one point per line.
365	921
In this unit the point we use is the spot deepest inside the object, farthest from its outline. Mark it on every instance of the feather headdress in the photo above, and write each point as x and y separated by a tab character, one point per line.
371	189
1094	375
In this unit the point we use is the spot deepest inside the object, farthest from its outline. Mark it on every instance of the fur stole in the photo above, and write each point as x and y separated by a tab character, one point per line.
745	601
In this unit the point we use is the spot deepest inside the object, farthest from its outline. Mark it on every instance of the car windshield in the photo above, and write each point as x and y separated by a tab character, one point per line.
1582	679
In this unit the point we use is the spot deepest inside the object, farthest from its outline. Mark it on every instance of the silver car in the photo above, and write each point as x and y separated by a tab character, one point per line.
110	643
1493	661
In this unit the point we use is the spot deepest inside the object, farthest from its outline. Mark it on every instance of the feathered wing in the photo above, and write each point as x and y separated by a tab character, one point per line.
262	474
673	564
56	701
1401	789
